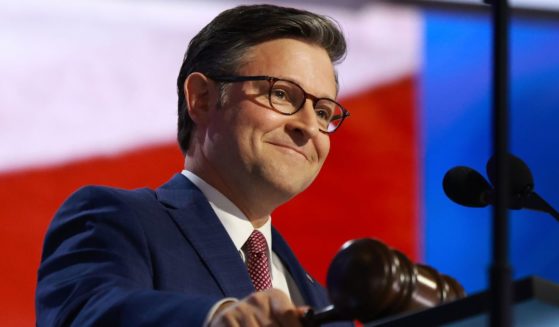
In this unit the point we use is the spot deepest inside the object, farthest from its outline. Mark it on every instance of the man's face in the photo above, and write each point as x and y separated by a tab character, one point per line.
257	151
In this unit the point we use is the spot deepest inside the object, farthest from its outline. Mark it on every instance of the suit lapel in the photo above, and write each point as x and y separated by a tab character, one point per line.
303	280
197	221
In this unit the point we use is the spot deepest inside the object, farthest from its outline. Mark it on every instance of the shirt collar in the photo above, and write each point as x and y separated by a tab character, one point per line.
232	218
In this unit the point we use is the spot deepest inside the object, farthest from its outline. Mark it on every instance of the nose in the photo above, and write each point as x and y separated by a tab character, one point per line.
304	121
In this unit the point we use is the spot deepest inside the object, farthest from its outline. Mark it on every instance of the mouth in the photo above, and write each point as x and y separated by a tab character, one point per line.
290	148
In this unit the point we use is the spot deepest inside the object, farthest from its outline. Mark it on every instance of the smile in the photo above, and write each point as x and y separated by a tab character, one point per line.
290	149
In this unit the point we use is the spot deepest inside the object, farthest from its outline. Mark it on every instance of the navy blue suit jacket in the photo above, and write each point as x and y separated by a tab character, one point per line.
145	258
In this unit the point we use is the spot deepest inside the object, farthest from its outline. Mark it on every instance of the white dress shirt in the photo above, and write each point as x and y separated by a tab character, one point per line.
239	229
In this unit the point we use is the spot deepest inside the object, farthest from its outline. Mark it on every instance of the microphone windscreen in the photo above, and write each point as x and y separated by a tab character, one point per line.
466	186
520	177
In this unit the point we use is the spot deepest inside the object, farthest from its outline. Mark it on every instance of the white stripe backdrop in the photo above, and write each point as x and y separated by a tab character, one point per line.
87	78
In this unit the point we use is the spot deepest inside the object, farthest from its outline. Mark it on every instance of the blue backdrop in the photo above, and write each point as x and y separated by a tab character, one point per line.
455	99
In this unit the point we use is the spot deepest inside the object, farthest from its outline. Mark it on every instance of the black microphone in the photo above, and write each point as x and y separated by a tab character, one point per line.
466	187
469	188
521	186
520	177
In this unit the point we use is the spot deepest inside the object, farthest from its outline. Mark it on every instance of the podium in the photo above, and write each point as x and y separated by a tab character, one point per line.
535	303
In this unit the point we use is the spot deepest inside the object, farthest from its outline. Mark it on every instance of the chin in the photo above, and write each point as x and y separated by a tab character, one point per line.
287	181
287	188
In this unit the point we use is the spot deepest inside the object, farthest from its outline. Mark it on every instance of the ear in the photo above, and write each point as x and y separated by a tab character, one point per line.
199	95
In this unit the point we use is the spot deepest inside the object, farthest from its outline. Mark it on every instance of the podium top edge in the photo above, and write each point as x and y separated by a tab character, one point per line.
525	289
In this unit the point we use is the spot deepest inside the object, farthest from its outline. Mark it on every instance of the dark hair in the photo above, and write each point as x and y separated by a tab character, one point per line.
218	49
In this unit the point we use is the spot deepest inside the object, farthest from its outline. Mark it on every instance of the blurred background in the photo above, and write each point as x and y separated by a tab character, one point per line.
88	96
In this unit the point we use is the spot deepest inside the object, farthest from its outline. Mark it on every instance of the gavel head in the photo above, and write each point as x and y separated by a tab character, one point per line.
368	280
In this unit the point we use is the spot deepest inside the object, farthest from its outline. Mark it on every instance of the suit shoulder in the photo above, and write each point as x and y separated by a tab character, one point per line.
109	191
100	202
95	194
98	209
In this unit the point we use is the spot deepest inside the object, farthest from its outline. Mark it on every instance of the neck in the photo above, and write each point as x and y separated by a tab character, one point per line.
257	223
253	206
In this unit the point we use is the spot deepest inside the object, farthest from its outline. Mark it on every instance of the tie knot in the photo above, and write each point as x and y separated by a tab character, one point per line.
256	243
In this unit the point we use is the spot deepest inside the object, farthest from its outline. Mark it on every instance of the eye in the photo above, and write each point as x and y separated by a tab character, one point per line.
279	94
323	112
285	92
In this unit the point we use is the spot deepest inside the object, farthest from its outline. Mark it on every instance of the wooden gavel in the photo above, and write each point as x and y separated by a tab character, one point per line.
368	280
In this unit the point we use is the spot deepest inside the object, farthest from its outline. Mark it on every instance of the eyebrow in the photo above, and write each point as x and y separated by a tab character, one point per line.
311	93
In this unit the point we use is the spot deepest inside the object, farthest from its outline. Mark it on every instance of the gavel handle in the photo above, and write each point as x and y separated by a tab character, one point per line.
324	315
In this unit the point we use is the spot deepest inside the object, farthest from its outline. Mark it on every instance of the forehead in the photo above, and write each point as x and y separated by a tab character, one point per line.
306	64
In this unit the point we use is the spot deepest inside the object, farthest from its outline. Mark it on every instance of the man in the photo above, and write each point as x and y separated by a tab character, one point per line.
256	108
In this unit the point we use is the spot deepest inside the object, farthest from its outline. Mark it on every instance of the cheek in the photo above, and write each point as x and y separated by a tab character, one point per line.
323	148
258	122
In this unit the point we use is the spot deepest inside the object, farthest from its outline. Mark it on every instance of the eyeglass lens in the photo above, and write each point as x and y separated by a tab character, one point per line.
288	97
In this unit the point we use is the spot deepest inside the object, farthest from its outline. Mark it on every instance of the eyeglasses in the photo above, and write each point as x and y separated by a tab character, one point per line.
287	98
